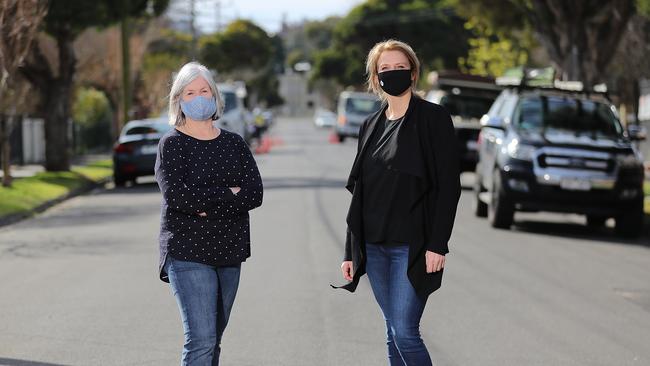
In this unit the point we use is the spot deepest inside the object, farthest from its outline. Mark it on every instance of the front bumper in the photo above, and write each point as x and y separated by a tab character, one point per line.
570	192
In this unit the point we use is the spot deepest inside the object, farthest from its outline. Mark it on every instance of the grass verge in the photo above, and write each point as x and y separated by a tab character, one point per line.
26	194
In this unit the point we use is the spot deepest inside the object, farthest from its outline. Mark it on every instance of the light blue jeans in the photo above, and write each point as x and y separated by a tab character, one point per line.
386	267
205	296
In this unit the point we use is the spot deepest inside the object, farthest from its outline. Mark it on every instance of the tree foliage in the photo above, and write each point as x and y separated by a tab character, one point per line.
65	21
429	26
580	36
492	52
242	44
19	24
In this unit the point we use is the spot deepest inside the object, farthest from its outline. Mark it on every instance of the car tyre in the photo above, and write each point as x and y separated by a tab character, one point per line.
630	223
341	137
501	211
596	220
480	207
119	180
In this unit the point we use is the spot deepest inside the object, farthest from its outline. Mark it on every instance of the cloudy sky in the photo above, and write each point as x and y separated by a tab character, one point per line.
266	13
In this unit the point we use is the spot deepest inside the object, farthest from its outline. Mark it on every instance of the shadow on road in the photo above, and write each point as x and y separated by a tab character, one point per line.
269	183
581	231
300	182
139	188
14	362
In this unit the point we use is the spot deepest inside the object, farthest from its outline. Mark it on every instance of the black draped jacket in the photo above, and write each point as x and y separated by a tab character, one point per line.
426	152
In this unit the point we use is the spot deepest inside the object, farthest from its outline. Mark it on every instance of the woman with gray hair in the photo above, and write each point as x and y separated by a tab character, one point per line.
209	181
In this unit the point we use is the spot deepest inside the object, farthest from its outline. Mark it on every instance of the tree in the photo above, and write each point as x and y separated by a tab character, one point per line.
580	36
19	24
242	45
64	22
244	51
492	52
431	27
91	113
100	67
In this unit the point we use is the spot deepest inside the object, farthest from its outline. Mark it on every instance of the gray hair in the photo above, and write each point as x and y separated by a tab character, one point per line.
186	75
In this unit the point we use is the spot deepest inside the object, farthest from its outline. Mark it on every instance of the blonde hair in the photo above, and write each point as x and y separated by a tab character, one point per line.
373	58
183	78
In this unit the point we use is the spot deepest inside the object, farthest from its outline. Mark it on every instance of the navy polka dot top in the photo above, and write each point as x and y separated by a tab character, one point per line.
194	176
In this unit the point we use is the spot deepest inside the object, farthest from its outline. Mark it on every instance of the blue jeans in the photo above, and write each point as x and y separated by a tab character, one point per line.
205	295
386	267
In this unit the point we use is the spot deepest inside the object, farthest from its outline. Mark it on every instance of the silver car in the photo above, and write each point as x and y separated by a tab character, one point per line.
235	116
353	109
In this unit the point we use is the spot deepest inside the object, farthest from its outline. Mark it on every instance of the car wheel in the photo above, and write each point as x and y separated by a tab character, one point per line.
501	211
119	180
596	220
341	137
630	223
480	207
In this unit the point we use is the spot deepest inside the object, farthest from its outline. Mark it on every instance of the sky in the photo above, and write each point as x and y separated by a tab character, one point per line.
266	13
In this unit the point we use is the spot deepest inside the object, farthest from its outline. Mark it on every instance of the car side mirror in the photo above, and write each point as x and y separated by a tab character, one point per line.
636	132
492	122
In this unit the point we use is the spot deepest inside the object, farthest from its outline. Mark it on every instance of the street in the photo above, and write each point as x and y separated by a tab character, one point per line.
79	283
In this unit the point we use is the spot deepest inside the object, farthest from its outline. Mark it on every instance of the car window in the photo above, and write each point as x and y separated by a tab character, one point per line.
567	114
145	129
466	106
508	107
528	114
229	99
362	105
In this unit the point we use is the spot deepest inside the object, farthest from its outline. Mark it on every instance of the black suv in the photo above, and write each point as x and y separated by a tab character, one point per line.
548	149
467	98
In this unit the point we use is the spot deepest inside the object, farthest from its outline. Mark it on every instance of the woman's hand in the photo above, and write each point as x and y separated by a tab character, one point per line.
435	261
346	267
234	190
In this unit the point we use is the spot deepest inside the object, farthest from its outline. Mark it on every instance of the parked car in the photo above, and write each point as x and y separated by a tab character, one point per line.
235	116
324	118
134	154
467	98
550	149
353	109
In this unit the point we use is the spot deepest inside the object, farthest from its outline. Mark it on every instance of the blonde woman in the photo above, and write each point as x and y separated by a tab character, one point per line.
405	188
209	181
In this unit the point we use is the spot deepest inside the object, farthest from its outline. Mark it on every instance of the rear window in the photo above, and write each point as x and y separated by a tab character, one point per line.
143	130
229	100
466	106
362	105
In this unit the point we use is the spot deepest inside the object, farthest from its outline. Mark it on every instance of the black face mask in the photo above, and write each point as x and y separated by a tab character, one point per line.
395	82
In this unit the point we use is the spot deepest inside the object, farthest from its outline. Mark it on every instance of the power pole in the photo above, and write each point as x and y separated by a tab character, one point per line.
126	64
194	52
218	11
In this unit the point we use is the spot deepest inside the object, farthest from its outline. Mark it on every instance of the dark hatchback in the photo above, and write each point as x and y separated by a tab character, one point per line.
134	154
559	151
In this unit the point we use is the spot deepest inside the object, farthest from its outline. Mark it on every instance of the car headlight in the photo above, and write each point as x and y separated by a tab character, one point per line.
520	151
627	160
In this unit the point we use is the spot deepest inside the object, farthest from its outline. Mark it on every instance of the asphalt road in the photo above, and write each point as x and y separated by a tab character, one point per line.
79	286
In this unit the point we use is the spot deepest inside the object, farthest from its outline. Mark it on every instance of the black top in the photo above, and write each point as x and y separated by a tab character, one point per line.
386	217
427	157
194	176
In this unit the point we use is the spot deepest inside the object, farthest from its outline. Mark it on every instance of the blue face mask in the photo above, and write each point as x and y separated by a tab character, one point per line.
199	108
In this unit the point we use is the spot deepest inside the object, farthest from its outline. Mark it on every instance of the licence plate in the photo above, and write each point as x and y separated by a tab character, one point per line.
472	145
575	184
149	150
